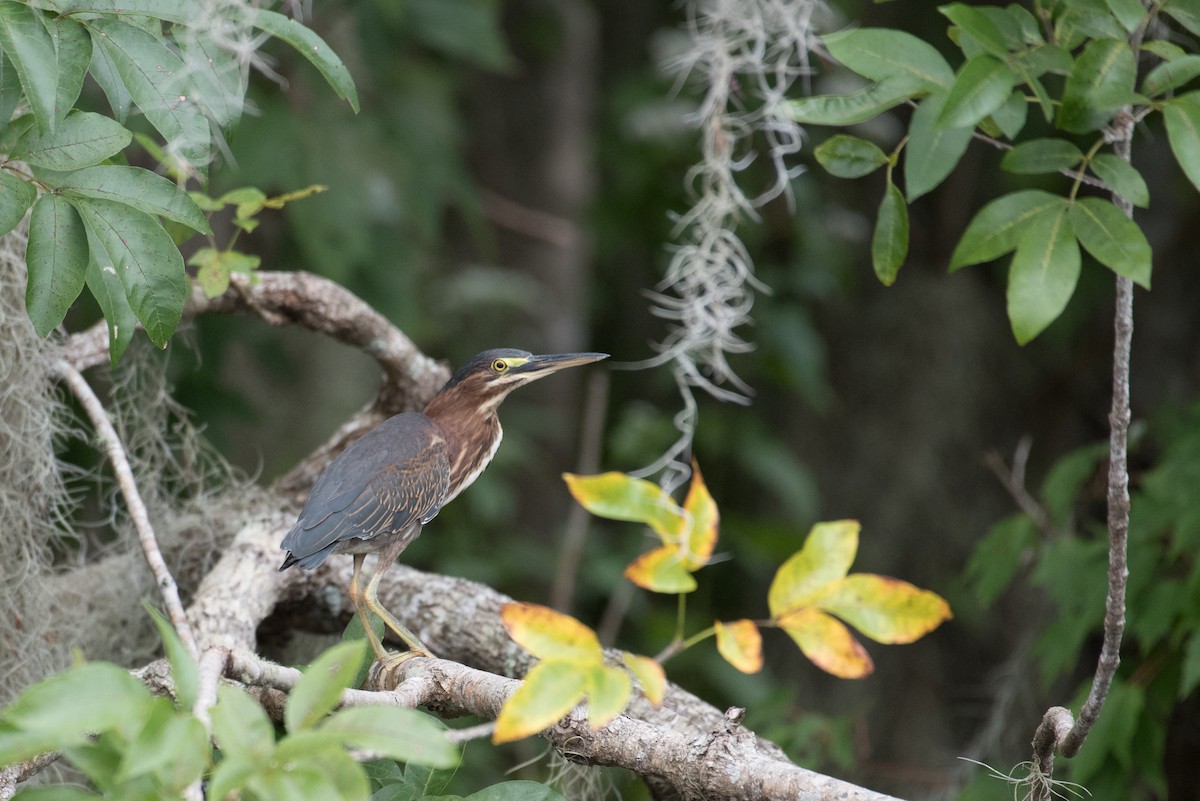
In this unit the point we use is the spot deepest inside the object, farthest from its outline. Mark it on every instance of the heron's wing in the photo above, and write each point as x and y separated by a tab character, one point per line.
390	478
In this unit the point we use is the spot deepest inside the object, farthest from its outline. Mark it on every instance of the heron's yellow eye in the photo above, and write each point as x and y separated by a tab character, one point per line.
499	365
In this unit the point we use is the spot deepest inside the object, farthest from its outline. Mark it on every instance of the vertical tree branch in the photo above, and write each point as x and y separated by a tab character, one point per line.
133	499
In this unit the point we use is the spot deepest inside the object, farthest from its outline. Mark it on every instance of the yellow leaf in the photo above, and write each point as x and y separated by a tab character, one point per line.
661	570
741	644
702	511
608	694
885	609
550	691
828	643
649	674
551	635
618	496
826	557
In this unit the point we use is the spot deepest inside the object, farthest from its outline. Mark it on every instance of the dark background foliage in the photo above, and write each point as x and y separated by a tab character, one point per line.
509	183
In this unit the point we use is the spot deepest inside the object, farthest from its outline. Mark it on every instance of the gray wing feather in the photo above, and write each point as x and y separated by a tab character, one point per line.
391	477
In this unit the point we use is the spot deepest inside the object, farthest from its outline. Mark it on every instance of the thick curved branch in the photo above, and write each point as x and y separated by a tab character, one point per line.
410	378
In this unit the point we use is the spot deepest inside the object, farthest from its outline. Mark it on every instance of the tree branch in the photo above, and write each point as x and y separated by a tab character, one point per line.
133	499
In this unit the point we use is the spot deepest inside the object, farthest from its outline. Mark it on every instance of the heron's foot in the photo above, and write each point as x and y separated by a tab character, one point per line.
387	671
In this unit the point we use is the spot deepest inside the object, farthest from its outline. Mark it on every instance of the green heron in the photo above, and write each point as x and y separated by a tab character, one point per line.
379	492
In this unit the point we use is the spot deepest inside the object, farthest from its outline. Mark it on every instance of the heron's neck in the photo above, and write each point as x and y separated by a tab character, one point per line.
472	436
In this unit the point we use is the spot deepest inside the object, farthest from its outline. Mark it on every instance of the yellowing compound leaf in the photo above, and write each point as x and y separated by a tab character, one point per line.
649	674
550	690
702	511
826	557
741	644
551	635
608	694
618	496
661	570
886	609
828	643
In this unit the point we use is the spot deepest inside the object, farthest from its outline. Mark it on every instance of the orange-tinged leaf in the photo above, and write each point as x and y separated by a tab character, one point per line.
608	692
551	635
826	557
618	496
828	643
741	644
550	690
650	675
885	609
702	511
661	570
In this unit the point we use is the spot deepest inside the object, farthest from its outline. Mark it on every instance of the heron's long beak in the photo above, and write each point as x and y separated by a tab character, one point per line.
538	366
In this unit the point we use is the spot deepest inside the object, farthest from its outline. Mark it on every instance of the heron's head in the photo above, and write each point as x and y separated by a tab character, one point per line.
484	381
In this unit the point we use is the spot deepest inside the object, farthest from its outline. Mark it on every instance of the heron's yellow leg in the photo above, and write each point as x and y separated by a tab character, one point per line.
371	599
356	598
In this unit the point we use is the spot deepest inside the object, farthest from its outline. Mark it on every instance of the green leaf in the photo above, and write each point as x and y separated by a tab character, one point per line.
857	107
72	53
826	557
1185	12
105	73
889	243
1102	73
319	690
90	698
1182	117
608	692
1112	737
16	196
11	93
173	747
1167	51
313	48
549	691
354	630
106	287
997	227
516	791
1113	239
885	609
394	732
979	26
982	86
139	188
1085	19
57	257
1010	117
81	140
181	11
1044	272
156	80
998	556
1044	58
217	80
28	45
1028	25
184	669
145	259
240	726
1129	13
932	150
1038	156
1061	487
849	157
1122	178
881	53
1171	75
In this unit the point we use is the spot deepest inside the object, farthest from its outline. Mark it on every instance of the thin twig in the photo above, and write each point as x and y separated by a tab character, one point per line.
133	499
1013	481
